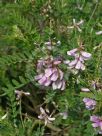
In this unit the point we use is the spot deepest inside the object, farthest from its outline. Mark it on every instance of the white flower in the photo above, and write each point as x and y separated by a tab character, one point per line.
44	116
99	33
20	94
85	90
76	25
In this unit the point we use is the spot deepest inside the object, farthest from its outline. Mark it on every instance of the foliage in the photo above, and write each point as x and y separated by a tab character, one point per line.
25	28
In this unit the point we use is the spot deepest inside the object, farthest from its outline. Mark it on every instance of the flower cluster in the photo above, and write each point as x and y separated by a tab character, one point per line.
44	116
80	58
50	74
97	123
89	103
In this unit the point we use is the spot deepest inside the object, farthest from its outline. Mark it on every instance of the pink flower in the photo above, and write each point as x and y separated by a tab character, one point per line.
44	116
50	74
89	103
97	123
72	52
58	85
80	58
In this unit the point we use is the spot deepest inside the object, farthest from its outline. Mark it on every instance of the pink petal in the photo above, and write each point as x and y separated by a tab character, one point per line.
48	72
81	22
54	77
86	55
59	84
51	119
72	52
66	62
77	56
48	82
81	59
82	66
72	63
42	80
95	125
56	62
78	65
38	77
100	124
94	118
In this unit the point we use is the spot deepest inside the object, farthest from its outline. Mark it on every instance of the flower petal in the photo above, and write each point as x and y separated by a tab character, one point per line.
72	52
78	65
54	76
39	76
86	55
72	63
63	85
94	118
85	90
54	86
48	82
42	80
82	66
48	72
56	62
42	110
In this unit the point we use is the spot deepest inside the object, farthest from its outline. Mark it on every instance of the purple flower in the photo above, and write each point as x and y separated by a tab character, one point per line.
50	74
89	103
72	52
80	58
97	123
85	55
